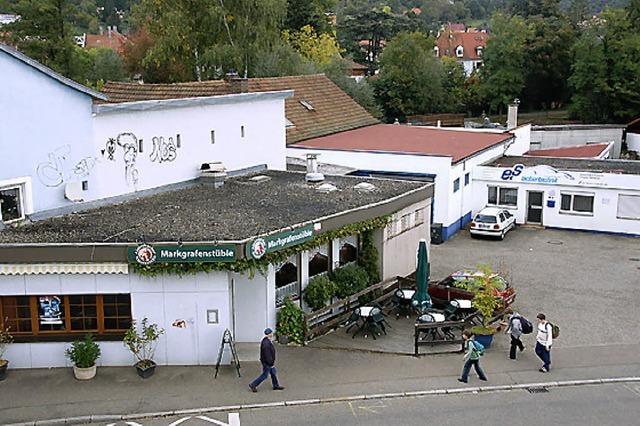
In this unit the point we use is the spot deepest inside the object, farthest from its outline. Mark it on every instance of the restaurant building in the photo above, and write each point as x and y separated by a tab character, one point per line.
582	194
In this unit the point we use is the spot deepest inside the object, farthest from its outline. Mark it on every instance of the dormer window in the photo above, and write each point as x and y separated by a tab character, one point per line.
479	51
459	51
307	105
436	51
11	204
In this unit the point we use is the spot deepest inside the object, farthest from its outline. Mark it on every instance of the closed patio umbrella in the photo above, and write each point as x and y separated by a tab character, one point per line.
421	299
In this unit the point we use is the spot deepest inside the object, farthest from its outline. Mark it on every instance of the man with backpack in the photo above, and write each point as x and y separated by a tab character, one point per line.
518	325
472	353
544	340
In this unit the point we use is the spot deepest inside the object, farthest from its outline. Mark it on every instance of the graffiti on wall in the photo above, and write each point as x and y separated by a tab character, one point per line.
110	149
53	173
129	143
163	150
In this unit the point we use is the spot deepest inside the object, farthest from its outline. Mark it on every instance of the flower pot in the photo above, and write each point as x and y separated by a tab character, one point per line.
145	368
4	365
484	339
84	373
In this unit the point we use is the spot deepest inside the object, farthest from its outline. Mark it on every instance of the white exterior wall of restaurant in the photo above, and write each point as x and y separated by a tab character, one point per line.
262	122
605	188
163	300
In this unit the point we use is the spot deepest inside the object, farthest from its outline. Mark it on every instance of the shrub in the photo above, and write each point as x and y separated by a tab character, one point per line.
83	353
5	340
368	257
349	279
143	344
319	290
291	322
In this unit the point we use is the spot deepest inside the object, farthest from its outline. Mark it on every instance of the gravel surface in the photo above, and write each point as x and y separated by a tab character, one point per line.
586	283
241	208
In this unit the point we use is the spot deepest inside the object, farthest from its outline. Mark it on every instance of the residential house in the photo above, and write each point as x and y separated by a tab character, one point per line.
467	47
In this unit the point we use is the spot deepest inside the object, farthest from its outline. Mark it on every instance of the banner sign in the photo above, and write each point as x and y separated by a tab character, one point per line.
146	254
262	245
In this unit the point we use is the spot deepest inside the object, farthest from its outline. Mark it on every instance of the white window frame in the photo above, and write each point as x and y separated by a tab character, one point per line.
459	51
23	184
436	50
497	203
572	195
618	207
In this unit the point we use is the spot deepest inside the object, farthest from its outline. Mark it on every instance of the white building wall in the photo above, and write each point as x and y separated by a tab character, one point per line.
45	133
633	142
544	137
604	187
522	141
123	168
163	300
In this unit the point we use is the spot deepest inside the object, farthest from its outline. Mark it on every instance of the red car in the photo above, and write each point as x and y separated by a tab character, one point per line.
446	290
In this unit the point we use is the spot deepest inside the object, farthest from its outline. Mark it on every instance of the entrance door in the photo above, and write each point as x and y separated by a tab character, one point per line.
534	206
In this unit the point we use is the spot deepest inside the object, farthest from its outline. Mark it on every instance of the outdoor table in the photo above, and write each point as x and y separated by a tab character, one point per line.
407	294
365	311
461	303
437	317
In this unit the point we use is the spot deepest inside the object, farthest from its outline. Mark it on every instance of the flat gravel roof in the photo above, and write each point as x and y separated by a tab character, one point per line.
240	209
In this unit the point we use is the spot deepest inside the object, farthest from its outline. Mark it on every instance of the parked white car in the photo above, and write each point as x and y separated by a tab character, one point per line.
492	221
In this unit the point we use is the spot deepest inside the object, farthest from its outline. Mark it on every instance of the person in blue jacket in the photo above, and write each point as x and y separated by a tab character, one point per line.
268	361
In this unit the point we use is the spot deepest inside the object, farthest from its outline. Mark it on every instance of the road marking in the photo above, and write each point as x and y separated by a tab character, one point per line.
128	423
177	422
372	408
635	389
352	410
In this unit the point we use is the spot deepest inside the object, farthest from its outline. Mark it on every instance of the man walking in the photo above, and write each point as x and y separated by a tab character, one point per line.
514	329
472	353
268	360
544	339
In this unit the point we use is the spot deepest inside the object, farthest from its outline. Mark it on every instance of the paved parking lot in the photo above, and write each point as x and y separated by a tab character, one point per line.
589	284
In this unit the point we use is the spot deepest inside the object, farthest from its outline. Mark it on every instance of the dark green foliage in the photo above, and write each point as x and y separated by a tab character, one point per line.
361	92
83	353
291	322
349	280
368	257
319	290
309	12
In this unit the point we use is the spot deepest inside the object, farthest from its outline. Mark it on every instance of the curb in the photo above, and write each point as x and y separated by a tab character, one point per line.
328	400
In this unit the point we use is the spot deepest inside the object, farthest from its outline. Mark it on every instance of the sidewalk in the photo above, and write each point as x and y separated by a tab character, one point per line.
28	395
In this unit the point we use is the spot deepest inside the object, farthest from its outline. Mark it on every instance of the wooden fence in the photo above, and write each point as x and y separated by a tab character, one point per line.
322	321
446	120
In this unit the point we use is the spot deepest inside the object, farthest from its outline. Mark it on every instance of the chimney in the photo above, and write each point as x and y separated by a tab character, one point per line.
312	169
512	115
101	30
214	173
109	31
237	84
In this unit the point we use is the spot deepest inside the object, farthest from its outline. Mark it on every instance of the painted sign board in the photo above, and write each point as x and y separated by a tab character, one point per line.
260	246
146	254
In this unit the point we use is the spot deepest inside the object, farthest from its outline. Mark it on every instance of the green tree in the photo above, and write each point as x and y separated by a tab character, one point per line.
410	79
361	92
454	86
502	74
282	60
106	65
309	12
578	11
318	48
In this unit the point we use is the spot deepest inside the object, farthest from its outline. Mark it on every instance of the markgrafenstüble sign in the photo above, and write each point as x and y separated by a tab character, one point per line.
146	254
260	246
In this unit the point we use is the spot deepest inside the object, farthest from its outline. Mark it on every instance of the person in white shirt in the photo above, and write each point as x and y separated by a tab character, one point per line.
544	340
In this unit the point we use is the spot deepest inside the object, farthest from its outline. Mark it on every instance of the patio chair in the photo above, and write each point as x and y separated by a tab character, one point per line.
401	306
452	312
353	319
427	319
378	319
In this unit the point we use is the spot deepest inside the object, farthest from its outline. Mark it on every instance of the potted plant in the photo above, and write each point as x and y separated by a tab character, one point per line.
83	354
485	286
5	340
142	343
290	323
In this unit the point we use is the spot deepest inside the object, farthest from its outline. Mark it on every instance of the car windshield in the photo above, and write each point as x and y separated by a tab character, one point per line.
485	218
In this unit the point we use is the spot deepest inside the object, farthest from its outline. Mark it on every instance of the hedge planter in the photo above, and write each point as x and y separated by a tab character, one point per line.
4	365
146	368
84	373
484	339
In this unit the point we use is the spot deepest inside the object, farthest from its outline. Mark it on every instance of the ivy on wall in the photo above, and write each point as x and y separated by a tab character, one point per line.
251	266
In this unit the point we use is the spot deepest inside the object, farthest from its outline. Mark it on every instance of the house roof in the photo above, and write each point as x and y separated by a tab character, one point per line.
317	108
243	209
457	27
112	40
449	40
573	164
634	124
595	150
411	140
50	73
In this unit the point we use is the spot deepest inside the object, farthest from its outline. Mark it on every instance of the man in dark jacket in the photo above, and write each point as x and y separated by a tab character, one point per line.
268	360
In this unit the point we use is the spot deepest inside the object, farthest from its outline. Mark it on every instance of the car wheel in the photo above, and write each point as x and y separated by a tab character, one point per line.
502	235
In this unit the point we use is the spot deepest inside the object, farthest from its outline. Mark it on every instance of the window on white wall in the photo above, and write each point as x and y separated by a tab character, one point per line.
456	185
501	196
467	178
11	204
629	206
576	203
459	51
213	137
242	131
418	217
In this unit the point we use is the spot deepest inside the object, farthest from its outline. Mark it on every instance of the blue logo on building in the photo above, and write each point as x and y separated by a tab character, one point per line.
509	174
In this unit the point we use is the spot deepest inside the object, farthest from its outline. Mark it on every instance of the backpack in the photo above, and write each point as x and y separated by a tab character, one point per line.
555	331
478	348
527	327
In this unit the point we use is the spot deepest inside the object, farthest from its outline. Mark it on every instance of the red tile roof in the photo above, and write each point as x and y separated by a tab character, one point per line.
390	138
581	151
449	40
112	40
333	110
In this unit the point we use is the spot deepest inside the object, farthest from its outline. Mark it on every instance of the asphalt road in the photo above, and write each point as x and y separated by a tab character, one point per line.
581	405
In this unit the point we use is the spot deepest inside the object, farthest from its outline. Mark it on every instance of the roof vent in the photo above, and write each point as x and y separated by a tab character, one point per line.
73	191
326	188
259	178
307	105
364	187
312	169
214	172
